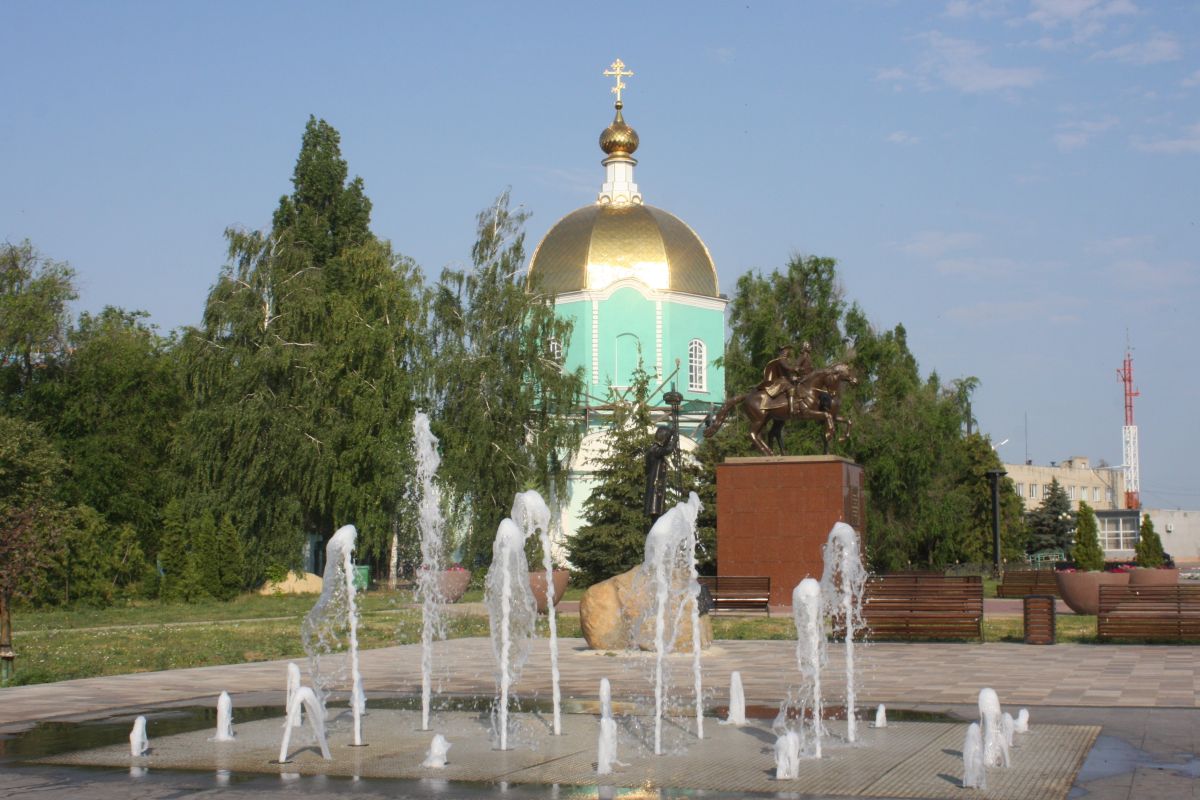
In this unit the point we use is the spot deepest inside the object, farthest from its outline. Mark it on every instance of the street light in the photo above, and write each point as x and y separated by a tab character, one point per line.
994	475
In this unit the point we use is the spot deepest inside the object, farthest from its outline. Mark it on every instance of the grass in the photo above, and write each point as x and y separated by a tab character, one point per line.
61	644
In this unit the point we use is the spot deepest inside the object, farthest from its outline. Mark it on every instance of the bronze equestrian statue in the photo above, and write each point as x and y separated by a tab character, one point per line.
785	395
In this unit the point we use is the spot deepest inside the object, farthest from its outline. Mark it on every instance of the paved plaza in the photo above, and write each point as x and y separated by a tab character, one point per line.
1142	698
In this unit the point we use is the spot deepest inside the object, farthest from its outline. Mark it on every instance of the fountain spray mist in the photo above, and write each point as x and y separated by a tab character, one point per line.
810	651
511	614
334	614
531	514
431	525
842	588
670	566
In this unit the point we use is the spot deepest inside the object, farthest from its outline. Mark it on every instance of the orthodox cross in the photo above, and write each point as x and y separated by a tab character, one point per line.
618	71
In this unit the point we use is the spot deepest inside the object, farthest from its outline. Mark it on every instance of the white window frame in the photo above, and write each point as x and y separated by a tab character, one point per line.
697	366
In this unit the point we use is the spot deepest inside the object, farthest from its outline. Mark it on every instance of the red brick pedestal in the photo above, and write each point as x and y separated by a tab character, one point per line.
774	515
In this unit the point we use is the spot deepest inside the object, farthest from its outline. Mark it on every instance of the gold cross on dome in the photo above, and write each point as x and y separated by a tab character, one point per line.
618	71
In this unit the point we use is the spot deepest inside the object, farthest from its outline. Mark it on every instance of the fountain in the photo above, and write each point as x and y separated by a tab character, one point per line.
842	586
435	756
224	719
511	615
737	700
606	748
670	567
1022	723
431	525
335	615
787	756
1007	729
974	774
881	717
305	697
810	652
293	683
139	745
995	748
531	513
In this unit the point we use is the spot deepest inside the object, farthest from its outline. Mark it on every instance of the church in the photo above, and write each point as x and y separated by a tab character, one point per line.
639	286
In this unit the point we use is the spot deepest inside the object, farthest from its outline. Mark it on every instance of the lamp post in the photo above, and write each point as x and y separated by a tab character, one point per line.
994	475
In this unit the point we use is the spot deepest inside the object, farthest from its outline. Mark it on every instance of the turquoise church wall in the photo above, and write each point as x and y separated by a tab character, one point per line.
626	320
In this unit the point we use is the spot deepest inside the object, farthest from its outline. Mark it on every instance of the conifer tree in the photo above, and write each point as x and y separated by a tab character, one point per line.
206	549
613	540
1149	549
1086	553
173	552
231	565
1052	523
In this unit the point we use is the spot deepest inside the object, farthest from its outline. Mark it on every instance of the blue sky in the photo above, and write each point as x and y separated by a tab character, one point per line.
1015	181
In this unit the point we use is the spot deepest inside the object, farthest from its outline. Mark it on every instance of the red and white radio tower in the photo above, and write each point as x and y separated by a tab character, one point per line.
1129	436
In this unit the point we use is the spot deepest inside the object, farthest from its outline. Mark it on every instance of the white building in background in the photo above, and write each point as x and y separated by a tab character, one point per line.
1179	531
1102	487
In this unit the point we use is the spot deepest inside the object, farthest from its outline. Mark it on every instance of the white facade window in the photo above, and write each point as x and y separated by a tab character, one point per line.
697	367
1095	494
1109	494
1033	493
1118	533
1020	490
1070	492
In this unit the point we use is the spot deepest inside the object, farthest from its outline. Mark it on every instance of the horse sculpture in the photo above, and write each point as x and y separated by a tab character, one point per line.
817	397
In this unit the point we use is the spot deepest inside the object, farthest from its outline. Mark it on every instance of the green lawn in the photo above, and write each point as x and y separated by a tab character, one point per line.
59	644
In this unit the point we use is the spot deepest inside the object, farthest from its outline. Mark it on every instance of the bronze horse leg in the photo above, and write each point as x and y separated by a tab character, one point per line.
776	435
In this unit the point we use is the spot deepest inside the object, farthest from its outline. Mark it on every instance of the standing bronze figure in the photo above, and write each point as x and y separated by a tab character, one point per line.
816	396
665	443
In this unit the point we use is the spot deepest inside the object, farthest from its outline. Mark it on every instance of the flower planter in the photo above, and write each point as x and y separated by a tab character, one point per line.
537	585
1081	590
1154	576
452	584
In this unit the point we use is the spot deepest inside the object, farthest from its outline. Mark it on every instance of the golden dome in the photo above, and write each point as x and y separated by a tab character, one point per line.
600	244
618	138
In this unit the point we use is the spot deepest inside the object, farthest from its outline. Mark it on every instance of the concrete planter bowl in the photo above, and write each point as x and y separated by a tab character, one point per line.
1154	576
1081	590
537	585
452	584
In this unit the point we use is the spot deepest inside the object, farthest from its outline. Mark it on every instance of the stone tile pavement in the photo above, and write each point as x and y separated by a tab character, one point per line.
1110	676
1145	698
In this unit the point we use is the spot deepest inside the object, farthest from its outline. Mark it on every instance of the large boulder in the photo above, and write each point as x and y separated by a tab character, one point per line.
616	614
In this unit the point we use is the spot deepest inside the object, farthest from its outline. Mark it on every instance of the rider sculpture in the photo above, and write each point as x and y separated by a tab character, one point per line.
781	374
810	395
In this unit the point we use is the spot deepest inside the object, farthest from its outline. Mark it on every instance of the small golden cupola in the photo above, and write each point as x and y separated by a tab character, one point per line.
619	236
619	141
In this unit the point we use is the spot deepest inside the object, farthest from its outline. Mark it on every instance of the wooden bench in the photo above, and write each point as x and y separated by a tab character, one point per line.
738	593
1022	583
1149	612
924	606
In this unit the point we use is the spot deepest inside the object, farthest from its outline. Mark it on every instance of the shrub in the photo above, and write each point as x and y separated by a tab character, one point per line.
1149	549
1087	553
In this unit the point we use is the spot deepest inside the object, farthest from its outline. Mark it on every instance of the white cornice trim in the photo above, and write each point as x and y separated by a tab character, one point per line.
679	298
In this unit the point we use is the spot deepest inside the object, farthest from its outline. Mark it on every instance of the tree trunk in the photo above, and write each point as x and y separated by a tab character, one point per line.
6	651
394	561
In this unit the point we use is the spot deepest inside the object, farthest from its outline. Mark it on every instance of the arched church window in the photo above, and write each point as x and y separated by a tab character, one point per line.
697	372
